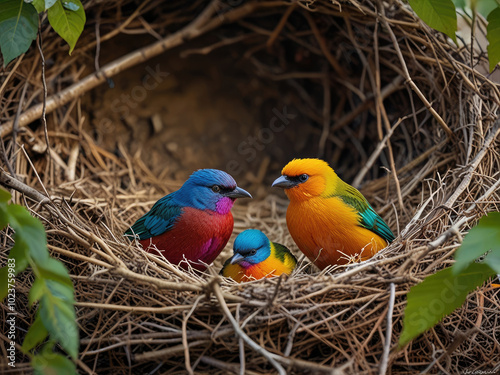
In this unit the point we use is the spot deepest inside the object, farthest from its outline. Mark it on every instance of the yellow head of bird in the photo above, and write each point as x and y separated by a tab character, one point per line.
303	179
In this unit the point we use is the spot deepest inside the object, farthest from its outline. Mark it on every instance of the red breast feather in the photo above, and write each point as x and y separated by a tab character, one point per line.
198	236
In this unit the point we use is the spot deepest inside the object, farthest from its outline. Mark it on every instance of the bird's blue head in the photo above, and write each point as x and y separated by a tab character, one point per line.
210	189
251	247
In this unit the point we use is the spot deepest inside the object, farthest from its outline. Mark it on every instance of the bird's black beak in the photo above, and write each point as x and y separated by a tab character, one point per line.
238	193
284	182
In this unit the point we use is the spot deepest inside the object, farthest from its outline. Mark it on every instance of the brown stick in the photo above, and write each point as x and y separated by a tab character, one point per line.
134	309
252	344
21	187
324	48
412	84
280	26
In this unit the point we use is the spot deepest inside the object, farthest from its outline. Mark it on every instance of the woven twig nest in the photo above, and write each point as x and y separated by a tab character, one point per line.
394	107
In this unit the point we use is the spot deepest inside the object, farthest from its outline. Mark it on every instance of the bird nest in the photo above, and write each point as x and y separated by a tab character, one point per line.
393	106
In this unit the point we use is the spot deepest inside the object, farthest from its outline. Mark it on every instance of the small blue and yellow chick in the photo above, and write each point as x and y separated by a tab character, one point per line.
255	257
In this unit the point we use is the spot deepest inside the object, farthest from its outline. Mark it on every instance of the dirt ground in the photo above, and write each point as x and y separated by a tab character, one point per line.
184	113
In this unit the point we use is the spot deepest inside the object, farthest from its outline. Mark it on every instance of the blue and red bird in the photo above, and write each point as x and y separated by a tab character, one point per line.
193	223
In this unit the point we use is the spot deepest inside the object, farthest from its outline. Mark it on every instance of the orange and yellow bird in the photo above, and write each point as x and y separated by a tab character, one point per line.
330	221
255	257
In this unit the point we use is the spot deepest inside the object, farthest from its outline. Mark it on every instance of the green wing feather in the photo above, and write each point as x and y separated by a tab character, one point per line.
282	253
369	219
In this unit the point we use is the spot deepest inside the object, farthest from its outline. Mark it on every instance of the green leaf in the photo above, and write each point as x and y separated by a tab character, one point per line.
4	208
485	7
3	216
59	318
53	269
460	4
437	296
67	23
22	217
55	282
52	288
484	237
438	14
49	363
493	36
39	5
493	260
4	196
19	252
18	28
61	291
37	290
31	231
35	335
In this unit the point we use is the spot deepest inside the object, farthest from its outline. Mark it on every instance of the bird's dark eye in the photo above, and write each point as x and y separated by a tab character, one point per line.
253	252
216	188
303	177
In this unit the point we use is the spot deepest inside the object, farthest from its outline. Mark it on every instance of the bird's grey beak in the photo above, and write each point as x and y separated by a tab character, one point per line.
238	193
237	258
284	183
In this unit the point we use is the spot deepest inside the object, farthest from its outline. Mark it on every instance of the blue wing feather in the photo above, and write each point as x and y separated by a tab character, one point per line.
160	219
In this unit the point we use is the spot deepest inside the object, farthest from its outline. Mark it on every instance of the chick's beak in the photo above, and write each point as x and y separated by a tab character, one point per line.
284	183
238	193
237	258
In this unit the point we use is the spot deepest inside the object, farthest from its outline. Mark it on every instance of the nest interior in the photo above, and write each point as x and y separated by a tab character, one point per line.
155	90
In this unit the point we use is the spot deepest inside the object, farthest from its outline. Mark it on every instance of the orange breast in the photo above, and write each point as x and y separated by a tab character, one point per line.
327	232
268	268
